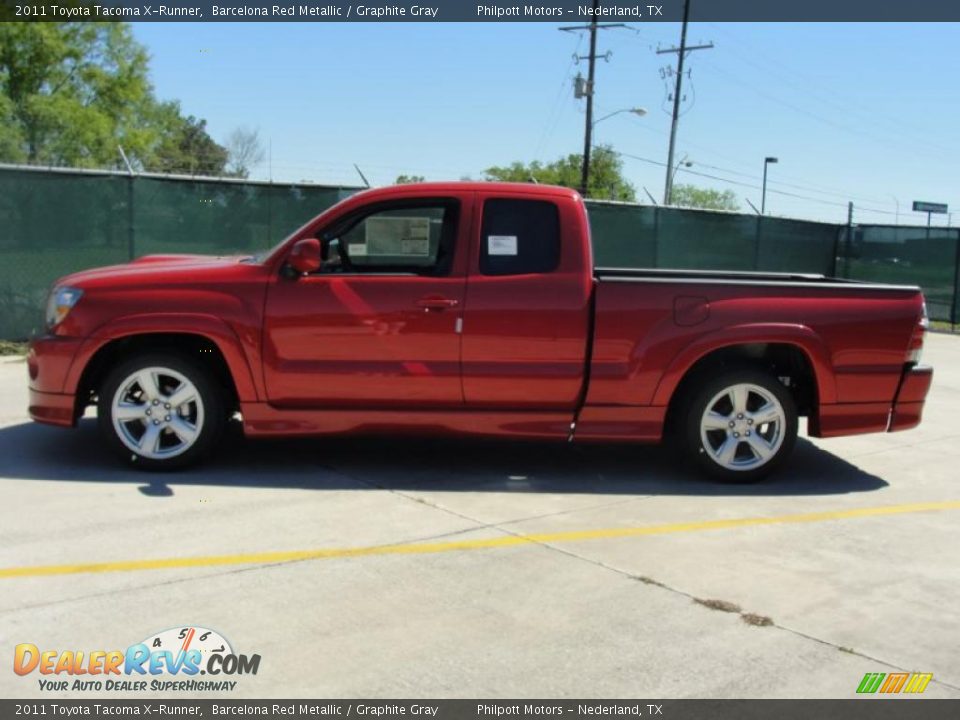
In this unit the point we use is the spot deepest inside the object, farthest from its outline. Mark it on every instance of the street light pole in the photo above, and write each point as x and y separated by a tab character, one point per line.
763	200
638	111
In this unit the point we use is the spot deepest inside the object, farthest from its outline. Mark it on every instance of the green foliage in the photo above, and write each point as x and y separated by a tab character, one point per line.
606	174
408	179
185	147
705	198
9	347
70	93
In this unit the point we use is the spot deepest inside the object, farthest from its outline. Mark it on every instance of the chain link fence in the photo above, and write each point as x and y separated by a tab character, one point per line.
56	222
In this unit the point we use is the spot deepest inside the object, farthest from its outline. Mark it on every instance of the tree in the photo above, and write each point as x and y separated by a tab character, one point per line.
244	150
606	179
70	93
408	179
705	198
186	148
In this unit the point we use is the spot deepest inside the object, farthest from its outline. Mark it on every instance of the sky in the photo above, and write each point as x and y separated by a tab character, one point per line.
854	112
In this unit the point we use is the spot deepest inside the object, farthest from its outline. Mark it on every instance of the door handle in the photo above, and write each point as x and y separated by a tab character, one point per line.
436	303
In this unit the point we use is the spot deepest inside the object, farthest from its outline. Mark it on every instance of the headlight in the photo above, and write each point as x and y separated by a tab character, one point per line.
59	304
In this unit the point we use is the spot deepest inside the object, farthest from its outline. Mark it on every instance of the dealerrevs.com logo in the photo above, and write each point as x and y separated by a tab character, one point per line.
169	661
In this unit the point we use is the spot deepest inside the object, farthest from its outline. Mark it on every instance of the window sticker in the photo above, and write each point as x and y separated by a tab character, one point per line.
357	249
501	244
405	236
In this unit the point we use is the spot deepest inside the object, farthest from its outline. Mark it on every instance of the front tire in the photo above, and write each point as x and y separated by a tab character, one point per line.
160	411
741	425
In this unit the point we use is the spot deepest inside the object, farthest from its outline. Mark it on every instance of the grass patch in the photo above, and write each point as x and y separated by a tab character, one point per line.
10	347
757	620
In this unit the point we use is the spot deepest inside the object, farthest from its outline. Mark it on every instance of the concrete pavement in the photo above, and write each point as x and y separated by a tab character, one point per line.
575	607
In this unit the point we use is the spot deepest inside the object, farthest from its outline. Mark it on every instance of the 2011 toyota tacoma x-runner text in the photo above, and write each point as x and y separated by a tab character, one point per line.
472	308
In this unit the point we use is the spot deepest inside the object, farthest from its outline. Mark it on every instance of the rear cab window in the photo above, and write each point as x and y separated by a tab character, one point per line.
519	237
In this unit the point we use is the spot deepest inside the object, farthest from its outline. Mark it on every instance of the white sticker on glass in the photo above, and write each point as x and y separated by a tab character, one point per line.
357	249
501	244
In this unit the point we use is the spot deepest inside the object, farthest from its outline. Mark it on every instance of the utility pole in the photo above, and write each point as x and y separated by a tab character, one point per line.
588	127
588	91
681	55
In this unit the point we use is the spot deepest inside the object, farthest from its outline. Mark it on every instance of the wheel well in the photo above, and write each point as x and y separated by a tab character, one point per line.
787	362
193	347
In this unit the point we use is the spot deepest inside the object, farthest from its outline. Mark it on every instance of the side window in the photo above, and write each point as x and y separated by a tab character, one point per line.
413	238
519	237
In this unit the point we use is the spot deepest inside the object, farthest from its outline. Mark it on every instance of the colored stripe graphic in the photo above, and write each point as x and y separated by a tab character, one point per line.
918	682
870	682
894	683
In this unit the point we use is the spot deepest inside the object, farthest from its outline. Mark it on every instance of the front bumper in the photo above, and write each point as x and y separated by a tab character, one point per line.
48	363
908	405
52	408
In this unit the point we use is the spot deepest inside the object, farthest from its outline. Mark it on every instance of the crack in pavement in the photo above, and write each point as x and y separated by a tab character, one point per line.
669	588
477	525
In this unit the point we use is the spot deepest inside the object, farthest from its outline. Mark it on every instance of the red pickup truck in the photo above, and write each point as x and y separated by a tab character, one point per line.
472	308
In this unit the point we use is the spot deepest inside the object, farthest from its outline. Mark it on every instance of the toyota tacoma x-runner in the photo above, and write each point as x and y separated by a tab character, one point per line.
473	309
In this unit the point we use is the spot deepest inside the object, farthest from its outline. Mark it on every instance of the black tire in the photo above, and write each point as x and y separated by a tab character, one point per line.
212	415
751	460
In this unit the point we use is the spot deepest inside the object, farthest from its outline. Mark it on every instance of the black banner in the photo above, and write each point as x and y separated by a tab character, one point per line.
624	11
873	708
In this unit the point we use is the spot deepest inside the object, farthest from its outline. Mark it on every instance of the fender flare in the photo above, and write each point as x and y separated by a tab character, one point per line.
209	327
800	336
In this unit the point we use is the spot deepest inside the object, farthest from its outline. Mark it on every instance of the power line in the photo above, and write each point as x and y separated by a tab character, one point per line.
751	186
810	86
855	131
554	117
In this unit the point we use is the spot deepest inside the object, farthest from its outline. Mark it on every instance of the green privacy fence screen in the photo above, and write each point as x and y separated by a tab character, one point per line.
648	236
56	222
922	256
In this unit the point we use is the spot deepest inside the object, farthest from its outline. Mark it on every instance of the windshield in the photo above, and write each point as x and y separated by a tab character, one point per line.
264	254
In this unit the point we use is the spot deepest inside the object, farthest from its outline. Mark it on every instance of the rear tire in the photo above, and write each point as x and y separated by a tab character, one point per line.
741	425
161	411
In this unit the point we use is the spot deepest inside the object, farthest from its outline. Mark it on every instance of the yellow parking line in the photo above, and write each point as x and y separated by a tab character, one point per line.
452	546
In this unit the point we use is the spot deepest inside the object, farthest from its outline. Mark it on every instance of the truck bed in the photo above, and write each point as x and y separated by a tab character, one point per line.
615	274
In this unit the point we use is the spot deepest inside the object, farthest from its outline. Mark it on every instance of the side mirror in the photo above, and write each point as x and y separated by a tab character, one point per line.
305	256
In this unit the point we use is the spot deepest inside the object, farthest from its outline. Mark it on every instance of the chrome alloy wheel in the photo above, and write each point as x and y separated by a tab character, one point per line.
157	413
742	427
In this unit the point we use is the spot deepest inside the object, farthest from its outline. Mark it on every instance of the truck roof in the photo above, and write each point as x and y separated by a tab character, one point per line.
479	186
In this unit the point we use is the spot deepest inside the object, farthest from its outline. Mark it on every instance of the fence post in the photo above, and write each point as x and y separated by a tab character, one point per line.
836	251
756	243
656	236
131	220
956	282
846	254
269	215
